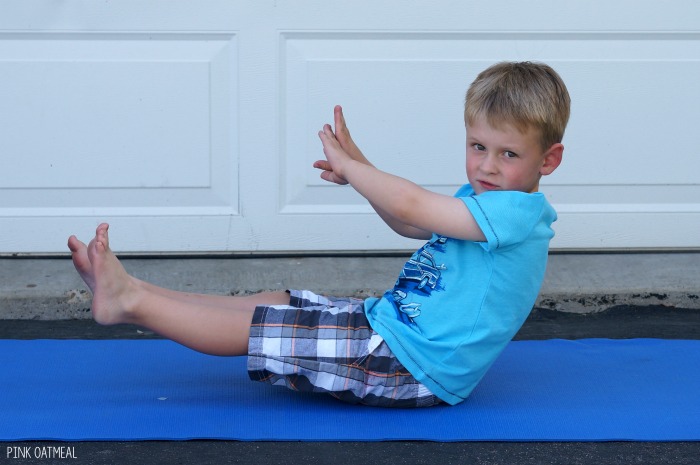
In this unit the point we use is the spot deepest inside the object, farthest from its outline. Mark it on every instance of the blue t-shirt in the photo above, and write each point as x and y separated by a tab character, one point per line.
456	304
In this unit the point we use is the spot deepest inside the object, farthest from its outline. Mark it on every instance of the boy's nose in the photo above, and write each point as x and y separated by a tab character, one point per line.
488	164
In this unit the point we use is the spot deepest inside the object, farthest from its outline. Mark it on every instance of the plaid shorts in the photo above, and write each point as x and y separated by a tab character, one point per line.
326	345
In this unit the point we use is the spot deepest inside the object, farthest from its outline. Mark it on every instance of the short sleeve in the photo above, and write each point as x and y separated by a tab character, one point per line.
507	217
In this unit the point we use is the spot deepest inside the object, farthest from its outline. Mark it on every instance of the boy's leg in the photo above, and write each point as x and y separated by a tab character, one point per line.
84	268
211	324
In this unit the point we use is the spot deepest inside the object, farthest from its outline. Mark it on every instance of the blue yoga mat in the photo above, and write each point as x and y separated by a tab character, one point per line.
555	390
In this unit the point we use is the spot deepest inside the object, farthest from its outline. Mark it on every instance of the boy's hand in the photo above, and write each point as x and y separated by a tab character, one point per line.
335	157
343	138
327	174
342	133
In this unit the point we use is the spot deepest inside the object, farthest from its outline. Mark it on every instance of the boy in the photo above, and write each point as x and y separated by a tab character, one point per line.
455	305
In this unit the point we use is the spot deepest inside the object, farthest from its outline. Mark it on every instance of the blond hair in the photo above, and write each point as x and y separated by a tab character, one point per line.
525	95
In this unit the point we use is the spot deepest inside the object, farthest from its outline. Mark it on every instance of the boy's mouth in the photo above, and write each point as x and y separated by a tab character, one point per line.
487	185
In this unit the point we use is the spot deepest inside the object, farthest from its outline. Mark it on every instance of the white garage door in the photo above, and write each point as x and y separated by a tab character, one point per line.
191	125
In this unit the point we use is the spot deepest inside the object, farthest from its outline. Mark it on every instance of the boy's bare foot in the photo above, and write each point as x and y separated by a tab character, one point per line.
81	261
113	290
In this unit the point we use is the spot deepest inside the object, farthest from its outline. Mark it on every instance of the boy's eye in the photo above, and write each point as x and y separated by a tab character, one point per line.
479	147
509	154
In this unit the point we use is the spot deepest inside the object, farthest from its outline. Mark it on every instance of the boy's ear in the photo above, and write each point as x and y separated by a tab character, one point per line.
552	159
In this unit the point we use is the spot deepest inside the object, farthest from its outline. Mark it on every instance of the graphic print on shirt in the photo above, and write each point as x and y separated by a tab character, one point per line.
421	275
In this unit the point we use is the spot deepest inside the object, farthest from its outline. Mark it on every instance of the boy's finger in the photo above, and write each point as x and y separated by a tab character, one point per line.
339	118
322	165
328	131
331	177
324	135
340	125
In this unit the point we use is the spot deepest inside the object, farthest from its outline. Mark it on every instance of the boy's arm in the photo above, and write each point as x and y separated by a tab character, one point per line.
399	199
348	145
397	226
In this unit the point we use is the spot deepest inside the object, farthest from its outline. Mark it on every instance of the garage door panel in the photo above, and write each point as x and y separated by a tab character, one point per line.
103	121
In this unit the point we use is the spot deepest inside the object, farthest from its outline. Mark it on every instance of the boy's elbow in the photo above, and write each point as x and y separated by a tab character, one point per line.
402	212
405	209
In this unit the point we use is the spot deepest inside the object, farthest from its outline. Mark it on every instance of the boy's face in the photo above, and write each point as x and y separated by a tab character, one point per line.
507	159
